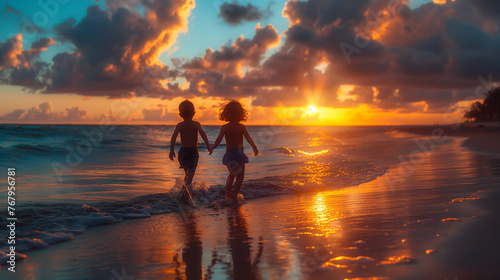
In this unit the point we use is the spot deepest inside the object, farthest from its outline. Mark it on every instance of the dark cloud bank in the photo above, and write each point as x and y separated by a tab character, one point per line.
234	13
394	55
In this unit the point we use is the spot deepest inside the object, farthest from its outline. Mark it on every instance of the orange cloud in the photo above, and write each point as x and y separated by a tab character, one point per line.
121	55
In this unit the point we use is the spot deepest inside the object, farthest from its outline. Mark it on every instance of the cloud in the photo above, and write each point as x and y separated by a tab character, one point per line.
159	115
116	51
41	113
248	51
218	73
234	13
11	10
13	116
22	67
76	114
153	114
45	113
10	50
487	7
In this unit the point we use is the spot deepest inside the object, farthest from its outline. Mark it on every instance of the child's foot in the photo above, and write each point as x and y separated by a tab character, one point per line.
234	197
189	187
187	199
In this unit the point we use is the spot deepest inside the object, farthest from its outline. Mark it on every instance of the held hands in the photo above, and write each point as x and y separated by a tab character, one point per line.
171	155
210	150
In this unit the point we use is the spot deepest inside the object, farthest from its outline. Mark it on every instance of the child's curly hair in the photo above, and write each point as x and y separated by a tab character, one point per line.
233	112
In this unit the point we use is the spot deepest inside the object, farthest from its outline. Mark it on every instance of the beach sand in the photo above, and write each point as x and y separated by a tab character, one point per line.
439	222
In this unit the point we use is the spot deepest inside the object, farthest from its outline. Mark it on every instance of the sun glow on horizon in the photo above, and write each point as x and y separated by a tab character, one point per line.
312	110
149	110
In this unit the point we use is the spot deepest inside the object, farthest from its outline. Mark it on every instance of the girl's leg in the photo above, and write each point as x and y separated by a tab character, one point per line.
229	182
240	175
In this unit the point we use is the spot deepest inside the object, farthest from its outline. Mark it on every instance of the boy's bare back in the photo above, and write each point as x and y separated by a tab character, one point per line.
189	133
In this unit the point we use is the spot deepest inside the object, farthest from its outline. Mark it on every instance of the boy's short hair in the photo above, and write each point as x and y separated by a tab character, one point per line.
186	109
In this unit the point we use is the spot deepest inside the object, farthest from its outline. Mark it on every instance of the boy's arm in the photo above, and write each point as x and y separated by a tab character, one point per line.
172	142
204	137
218	140
250	141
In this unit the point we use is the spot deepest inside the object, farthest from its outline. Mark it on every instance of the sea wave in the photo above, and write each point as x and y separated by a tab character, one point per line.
41	149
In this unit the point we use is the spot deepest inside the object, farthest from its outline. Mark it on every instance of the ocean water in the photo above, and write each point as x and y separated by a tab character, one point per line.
71	177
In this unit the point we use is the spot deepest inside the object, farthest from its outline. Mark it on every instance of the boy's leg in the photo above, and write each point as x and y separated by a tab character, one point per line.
185	176
190	168
189	177
185	196
240	175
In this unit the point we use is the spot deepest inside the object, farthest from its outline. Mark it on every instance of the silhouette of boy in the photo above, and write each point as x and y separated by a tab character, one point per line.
188	153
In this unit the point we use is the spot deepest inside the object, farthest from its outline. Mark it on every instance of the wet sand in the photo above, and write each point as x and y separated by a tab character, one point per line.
480	138
439	223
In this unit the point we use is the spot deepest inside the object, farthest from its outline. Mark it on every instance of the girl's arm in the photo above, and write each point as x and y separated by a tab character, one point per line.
250	140
172	143
218	140
204	137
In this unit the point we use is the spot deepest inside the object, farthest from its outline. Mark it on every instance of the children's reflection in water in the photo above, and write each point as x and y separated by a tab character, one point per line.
239	242
192	250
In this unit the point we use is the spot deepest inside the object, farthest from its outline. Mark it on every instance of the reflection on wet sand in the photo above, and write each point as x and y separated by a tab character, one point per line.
189	265
239	243
192	251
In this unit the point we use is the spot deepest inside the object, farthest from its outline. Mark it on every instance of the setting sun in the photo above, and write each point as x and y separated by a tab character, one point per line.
312	110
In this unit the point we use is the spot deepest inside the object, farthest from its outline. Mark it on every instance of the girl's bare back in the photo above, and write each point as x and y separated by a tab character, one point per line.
233	133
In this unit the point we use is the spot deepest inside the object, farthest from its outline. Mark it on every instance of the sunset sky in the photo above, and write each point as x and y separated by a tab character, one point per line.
320	62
